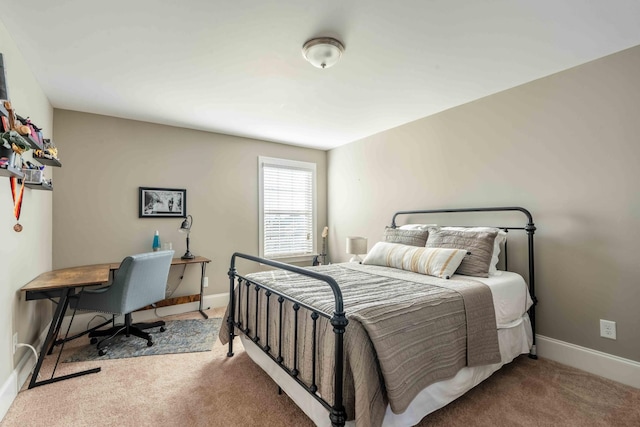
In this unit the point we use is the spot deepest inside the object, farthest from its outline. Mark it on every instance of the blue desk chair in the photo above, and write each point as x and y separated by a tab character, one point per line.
140	281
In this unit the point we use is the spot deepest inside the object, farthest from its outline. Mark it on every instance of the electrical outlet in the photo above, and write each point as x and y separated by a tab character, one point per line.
205	282
608	329
15	342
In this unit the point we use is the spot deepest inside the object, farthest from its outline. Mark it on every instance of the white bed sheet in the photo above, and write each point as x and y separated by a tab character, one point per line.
510	293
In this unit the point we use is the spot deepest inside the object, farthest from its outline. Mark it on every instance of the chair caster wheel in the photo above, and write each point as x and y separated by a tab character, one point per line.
162	329
149	343
93	340
102	352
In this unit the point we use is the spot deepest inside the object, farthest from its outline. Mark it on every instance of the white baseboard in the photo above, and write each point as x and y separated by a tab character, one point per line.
615	368
209	301
19	375
8	393
9	390
216	300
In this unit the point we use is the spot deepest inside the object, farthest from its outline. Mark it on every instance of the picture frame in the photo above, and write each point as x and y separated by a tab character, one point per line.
162	202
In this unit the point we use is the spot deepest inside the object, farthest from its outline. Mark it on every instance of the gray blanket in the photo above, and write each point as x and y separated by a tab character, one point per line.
406	331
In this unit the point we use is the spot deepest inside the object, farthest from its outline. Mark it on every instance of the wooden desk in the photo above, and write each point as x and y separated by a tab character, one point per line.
63	284
53	282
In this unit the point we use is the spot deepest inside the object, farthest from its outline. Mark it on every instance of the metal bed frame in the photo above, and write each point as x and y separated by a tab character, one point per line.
338	319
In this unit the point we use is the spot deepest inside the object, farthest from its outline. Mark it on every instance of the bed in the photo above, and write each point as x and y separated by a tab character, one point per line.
397	337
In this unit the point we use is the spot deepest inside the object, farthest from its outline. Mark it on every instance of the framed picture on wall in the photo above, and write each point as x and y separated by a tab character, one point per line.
162	203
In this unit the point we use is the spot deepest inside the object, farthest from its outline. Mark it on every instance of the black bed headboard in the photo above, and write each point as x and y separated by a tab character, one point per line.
529	228
500	209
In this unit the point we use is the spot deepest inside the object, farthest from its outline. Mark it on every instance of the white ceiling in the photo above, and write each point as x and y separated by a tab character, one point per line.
235	67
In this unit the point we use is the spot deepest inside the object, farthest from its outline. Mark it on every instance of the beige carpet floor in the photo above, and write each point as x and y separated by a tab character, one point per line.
209	389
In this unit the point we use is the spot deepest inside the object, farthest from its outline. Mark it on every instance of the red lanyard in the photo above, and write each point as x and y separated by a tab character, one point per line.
17	201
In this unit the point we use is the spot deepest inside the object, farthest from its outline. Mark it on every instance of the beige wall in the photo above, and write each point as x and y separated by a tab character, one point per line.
566	147
106	159
22	255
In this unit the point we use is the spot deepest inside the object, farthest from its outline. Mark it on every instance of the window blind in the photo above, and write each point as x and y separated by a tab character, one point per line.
288	210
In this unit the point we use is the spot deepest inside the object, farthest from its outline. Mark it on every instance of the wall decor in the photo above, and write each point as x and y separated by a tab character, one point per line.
162	203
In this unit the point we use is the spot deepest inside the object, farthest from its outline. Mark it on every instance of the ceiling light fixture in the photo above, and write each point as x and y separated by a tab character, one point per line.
322	52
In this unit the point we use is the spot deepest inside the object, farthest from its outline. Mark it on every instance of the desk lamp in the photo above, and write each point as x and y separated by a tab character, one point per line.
356	246
186	228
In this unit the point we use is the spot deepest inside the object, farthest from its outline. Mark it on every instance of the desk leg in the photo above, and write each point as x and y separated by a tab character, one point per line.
80	334
48	342
56	331
204	267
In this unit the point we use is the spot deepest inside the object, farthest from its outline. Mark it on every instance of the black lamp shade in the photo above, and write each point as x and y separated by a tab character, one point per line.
185	227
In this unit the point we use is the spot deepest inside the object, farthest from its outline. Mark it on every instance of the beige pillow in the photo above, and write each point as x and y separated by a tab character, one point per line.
501	238
405	237
438	262
479	244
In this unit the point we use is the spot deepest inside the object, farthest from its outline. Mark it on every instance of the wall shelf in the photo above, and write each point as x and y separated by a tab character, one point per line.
11	171
48	162
45	187
34	144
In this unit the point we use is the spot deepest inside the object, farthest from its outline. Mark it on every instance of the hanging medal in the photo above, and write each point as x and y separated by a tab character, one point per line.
17	201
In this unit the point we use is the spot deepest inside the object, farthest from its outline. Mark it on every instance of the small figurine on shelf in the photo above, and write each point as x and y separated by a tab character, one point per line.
14	123
49	151
11	143
36	132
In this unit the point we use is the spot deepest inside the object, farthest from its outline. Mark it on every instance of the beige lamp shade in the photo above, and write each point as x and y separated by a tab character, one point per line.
356	246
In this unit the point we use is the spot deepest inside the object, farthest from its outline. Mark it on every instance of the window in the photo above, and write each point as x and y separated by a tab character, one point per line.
287	208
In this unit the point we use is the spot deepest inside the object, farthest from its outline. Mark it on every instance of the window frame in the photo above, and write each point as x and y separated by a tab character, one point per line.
288	164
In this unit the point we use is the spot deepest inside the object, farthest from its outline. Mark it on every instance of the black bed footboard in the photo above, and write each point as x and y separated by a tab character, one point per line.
338	320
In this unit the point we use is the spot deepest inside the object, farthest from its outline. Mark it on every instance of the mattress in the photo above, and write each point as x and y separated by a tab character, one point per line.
510	293
511	300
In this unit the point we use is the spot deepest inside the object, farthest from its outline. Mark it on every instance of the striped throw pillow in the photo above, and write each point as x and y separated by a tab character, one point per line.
438	262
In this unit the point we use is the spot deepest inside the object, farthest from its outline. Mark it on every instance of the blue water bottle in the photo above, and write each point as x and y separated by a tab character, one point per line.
156	242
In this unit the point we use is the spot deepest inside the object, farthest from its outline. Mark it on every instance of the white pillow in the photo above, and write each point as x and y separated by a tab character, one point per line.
500	238
417	226
438	262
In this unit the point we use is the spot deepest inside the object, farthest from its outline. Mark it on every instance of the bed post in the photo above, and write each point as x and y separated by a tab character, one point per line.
530	228
232	307
338	320
338	414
